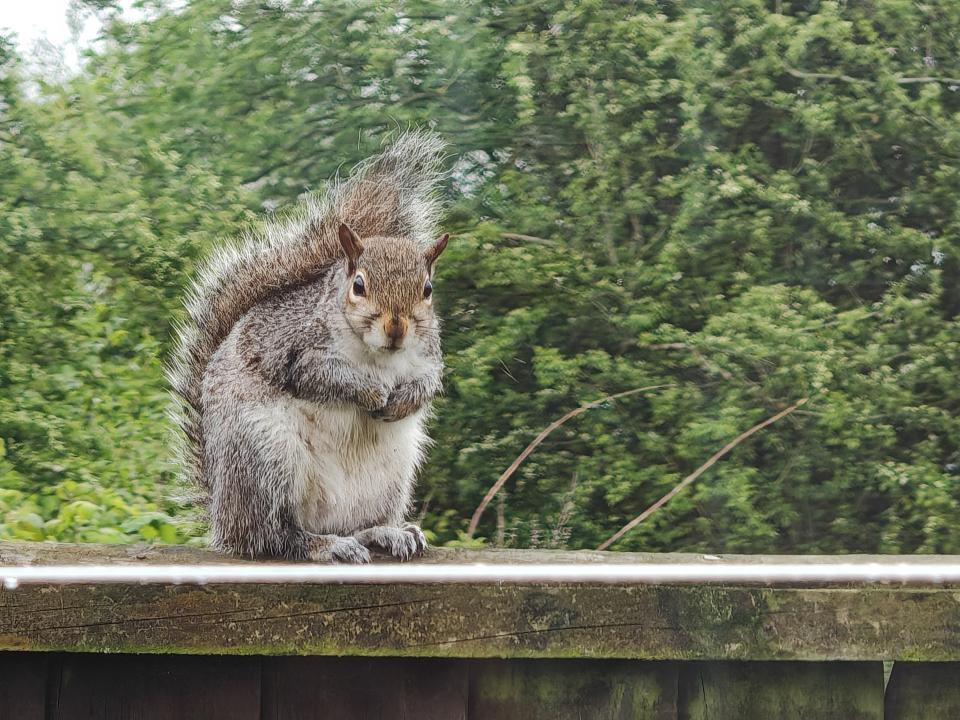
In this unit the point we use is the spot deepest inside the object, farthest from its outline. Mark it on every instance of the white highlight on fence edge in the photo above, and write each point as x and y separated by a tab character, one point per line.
727	573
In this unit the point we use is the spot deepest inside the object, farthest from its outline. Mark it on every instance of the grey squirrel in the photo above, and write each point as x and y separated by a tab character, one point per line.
304	371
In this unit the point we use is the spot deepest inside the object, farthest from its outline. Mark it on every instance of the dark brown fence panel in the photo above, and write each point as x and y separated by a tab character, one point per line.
348	688
923	691
763	690
74	686
155	687
23	685
572	689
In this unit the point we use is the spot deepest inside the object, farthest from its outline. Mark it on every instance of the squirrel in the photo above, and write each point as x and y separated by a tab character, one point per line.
303	373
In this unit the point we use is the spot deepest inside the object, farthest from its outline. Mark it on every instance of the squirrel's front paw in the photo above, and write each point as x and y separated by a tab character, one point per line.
395	409
373	398
335	549
401	542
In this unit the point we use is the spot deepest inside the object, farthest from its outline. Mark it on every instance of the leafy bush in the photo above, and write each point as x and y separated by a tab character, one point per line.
750	205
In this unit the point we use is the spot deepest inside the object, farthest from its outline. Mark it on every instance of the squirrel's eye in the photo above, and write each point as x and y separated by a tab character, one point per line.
427	290
358	287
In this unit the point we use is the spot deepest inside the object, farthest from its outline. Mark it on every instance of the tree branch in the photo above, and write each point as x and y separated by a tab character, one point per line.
850	79
695	474
527	238
474	521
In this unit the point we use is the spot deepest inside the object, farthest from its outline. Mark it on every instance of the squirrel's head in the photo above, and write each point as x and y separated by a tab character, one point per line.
388	289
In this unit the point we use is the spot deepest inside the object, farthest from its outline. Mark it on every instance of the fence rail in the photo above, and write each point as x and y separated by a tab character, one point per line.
478	634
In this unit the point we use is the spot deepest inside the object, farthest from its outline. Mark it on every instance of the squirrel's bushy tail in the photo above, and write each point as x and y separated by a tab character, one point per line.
393	193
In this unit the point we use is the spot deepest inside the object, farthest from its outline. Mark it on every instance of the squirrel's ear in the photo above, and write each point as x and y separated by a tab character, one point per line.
433	252
351	245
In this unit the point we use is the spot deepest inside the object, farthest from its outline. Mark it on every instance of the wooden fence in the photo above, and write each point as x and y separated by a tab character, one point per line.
474	650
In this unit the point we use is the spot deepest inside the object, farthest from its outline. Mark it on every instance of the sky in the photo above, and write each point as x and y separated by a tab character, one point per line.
39	20
44	22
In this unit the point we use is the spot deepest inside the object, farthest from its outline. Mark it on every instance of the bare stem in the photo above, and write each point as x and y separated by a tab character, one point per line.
695	474
850	79
495	488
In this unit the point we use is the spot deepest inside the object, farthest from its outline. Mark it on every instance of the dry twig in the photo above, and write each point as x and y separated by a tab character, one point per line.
518	237
695	474
539	439
867	81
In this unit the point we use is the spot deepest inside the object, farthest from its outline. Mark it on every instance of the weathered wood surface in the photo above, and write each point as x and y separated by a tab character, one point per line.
476	620
548	690
417	689
762	690
53	686
64	686
49	553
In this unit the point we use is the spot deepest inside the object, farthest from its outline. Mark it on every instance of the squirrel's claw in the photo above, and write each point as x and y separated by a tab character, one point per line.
401	542
334	549
419	538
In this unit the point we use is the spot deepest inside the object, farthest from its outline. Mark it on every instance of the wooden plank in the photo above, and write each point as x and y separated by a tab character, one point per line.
477	619
156	687
923	690
572	689
758	691
346	688
50	553
682	623
23	685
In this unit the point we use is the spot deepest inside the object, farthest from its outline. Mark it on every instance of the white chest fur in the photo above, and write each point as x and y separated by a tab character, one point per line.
354	471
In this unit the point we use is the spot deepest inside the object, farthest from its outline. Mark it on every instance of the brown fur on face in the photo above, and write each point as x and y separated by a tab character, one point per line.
394	274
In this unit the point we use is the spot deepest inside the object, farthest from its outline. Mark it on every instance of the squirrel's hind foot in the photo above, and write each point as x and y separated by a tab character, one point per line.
336	549
402	542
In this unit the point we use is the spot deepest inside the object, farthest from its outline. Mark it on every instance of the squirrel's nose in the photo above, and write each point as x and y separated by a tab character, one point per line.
395	328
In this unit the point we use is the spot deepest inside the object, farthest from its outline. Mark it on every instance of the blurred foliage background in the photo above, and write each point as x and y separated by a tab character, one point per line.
753	201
